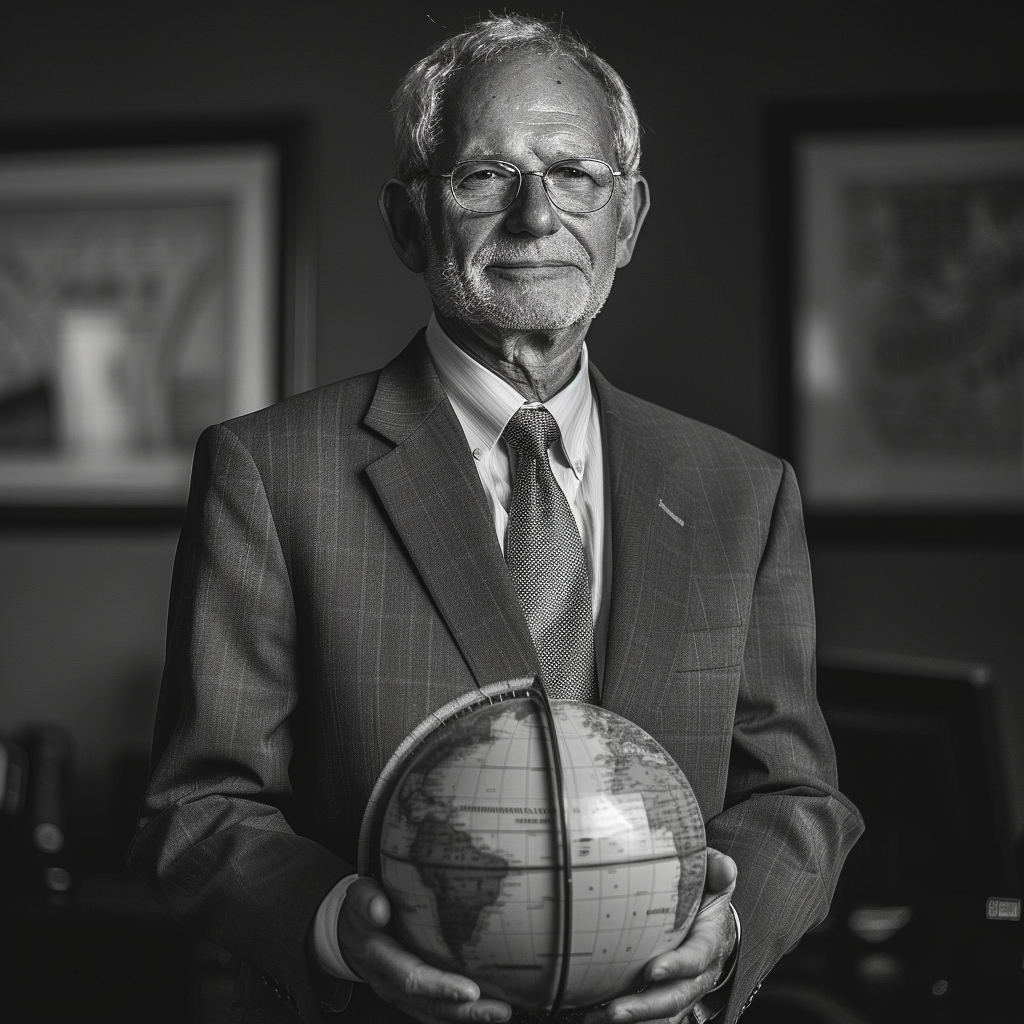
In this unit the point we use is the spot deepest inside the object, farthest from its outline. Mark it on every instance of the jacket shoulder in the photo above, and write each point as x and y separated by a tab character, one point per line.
339	405
335	410
674	436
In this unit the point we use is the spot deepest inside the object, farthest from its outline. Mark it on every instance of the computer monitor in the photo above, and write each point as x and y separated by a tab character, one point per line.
917	746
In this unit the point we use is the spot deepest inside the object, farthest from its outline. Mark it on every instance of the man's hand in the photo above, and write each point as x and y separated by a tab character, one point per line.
400	977
677	979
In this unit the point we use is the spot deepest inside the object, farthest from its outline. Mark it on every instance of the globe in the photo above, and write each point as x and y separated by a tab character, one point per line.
470	852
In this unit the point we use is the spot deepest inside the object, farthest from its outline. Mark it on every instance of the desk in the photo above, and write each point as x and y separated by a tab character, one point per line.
947	963
108	952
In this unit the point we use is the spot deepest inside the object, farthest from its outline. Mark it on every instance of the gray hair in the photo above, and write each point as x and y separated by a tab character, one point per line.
418	105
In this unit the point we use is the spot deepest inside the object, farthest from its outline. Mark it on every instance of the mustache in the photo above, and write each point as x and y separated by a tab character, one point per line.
553	249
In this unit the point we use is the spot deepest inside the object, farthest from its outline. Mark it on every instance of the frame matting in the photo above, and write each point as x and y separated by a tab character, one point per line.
897	249
148	288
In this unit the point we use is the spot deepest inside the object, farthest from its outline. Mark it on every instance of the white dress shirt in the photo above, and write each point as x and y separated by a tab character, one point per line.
484	403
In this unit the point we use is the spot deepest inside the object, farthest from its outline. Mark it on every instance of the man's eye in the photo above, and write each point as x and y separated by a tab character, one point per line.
489	174
568	172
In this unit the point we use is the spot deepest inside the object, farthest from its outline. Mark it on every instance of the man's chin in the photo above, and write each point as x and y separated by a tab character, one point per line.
517	318
543	309
509	305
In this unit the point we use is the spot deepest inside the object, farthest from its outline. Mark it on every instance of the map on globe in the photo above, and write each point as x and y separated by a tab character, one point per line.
470	854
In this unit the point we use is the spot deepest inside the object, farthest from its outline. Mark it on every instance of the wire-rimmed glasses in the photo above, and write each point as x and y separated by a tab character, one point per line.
573	186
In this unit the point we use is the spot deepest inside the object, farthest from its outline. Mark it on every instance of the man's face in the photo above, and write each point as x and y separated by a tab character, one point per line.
531	267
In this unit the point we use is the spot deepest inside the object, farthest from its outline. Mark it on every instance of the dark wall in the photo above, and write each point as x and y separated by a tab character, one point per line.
81	616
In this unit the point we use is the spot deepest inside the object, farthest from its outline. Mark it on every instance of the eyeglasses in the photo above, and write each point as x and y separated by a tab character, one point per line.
490	186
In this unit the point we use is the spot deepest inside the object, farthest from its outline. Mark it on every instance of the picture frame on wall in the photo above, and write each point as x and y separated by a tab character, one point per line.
896	251
150	285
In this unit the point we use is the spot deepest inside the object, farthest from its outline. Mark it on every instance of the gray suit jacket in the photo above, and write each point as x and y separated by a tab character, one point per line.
338	579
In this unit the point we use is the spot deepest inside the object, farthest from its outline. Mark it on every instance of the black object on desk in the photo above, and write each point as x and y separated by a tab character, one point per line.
82	938
910	936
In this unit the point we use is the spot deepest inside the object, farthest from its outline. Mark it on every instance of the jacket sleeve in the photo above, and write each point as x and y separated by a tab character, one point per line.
785	823
214	843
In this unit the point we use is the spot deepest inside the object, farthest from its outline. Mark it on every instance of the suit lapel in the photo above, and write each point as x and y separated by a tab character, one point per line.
652	556
431	491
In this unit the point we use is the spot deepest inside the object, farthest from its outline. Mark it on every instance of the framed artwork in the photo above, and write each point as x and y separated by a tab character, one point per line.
897	250
147	290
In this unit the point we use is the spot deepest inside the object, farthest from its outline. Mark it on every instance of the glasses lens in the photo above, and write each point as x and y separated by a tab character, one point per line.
485	186
580	186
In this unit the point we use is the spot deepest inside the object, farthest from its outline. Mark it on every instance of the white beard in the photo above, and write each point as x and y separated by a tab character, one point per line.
465	293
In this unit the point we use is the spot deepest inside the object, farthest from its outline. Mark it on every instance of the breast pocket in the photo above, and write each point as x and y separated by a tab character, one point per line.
710	649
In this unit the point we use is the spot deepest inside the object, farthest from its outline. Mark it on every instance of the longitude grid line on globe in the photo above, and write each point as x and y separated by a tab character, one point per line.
620	908
576	748
530	937
509	952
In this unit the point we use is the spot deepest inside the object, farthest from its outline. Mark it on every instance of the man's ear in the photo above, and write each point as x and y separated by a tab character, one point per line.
403	223
631	219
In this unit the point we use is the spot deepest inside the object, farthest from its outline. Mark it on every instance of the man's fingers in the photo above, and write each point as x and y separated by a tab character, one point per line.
681	976
689	960
431	995
706	945
392	969
427	993
670	1001
421	981
484	1011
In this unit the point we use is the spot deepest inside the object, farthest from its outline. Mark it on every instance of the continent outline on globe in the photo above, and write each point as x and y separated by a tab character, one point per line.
469	852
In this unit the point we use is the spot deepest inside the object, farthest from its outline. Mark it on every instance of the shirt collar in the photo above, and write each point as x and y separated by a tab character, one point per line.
485	402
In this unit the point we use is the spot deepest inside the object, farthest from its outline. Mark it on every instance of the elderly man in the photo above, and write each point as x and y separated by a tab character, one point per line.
485	507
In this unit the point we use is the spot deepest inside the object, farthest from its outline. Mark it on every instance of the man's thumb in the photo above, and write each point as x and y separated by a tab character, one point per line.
369	902
721	873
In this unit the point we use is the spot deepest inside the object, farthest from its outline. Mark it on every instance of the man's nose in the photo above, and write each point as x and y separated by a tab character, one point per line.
532	212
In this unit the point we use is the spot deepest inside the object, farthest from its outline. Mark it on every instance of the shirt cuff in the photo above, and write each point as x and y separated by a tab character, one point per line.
326	950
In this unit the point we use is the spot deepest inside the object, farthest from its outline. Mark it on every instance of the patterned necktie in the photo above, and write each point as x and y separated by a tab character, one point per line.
546	561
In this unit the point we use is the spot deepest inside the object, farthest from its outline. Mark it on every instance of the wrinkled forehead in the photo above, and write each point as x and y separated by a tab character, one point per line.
526	103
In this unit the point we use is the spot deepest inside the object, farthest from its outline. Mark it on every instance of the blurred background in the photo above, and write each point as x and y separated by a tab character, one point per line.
689	326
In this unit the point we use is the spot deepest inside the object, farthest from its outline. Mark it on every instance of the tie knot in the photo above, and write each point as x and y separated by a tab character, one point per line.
531	431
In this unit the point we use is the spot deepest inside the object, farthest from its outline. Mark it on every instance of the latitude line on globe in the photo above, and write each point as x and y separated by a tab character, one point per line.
525	868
